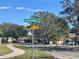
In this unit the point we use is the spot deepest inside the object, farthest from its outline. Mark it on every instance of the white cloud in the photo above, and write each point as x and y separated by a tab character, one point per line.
4	7
32	10
20	8
38	10
29	10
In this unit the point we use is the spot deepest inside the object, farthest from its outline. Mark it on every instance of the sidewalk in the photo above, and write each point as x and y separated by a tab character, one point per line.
15	52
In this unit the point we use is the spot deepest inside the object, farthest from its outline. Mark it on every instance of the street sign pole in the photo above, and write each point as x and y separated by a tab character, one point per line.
32	21
32	45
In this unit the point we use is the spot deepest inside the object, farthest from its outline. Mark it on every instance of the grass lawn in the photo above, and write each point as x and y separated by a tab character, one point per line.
4	49
38	54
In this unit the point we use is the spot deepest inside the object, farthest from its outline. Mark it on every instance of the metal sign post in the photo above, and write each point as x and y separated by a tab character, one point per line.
32	45
33	28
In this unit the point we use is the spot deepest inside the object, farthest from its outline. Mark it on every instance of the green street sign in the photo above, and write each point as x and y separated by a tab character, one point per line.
32	20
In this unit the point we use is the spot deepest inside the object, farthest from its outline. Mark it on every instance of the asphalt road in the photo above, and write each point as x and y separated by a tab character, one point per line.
60	52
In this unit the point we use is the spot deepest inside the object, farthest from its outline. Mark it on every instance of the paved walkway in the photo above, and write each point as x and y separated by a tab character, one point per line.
16	52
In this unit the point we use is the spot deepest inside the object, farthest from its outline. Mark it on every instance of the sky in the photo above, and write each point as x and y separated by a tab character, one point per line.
15	11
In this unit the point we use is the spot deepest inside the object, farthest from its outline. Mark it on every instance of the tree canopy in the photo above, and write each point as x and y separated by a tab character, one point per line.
70	12
51	25
12	30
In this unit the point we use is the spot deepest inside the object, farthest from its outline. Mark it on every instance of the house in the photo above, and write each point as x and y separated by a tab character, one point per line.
72	35
71	39
10	39
0	40
22	39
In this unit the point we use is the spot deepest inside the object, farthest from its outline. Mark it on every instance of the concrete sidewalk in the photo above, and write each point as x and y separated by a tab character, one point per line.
16	52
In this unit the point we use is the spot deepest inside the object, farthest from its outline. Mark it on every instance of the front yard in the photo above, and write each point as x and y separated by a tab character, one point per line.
38	54
4	50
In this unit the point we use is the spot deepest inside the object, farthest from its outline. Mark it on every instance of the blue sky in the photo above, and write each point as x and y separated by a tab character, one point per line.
15	11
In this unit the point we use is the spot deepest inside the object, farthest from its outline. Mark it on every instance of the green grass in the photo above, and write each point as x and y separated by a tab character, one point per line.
38	54
4	50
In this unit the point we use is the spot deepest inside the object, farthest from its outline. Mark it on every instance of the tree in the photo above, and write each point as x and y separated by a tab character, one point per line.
1	31
51	25
12	30
71	12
